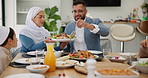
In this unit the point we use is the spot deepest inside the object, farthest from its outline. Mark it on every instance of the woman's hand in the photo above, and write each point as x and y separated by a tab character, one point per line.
63	45
48	40
144	43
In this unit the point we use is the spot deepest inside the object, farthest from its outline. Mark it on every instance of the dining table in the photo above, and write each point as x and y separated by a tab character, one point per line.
71	72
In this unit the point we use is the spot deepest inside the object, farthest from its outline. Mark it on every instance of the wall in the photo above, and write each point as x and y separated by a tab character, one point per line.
104	13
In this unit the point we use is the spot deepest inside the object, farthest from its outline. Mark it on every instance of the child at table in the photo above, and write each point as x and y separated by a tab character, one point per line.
8	40
143	49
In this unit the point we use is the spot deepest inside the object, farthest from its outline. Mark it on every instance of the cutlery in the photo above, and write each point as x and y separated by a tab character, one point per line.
73	33
131	67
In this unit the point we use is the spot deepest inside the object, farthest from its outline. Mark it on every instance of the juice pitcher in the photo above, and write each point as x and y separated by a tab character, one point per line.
49	58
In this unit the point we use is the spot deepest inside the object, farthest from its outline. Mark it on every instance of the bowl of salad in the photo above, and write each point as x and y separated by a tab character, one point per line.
142	67
84	55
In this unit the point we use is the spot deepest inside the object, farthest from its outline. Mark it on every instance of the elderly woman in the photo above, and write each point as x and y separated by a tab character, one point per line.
144	49
33	36
8	40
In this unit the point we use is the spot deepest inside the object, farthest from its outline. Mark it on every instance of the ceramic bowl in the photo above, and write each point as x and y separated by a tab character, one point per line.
117	59
37	68
58	54
142	69
128	56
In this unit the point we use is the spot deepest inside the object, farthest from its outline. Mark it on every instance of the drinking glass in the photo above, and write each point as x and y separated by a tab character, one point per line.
106	51
40	54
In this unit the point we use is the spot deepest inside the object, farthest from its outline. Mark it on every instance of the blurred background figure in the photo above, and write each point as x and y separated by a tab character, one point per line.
143	49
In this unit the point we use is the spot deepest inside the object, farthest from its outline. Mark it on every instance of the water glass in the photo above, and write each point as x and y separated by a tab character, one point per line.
106	51
40	54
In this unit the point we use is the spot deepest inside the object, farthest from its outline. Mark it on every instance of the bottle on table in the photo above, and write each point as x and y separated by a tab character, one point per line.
49	58
91	66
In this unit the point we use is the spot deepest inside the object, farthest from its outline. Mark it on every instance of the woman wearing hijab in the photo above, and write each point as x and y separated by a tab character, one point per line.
33	36
7	41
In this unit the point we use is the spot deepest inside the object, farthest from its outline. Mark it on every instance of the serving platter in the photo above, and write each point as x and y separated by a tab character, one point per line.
33	53
118	59
27	60
63	40
66	64
95	52
98	58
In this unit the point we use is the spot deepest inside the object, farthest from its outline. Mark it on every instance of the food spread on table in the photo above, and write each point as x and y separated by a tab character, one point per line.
82	55
116	72
42	67
66	63
118	57
63	36
143	64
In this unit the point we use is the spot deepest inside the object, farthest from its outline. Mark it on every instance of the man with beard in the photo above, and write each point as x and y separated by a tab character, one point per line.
88	30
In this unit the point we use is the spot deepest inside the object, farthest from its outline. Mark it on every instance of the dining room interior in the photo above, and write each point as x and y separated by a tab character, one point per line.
119	50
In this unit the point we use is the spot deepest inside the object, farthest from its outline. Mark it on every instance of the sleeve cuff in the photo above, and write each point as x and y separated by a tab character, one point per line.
96	29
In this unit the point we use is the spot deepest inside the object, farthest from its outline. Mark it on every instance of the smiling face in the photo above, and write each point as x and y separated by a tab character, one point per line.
79	11
39	19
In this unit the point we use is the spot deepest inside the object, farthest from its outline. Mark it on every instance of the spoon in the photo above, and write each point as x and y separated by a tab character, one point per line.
131	67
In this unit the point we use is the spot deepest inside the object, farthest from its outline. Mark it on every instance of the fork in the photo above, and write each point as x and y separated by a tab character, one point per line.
73	33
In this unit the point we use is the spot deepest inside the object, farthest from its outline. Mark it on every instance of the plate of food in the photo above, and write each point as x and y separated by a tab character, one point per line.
118	59
84	55
33	53
27	60
63	37
116	73
66	63
95	52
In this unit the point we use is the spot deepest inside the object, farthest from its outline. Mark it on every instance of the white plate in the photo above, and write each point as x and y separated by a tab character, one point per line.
65	64
128	54
33	53
95	52
27	60
63	40
25	75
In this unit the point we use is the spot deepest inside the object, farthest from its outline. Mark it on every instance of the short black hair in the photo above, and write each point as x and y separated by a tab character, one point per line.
11	34
76	2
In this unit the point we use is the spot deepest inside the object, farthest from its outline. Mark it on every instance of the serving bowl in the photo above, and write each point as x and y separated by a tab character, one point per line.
58	54
118	59
142	67
37	68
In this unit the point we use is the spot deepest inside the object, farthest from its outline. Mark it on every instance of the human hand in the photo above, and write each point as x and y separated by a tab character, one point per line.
48	40
144	43
81	23
63	44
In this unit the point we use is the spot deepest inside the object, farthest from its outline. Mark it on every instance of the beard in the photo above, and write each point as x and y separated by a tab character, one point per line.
79	17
